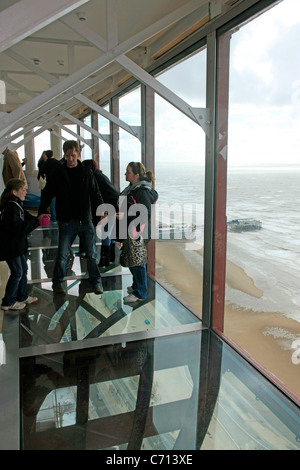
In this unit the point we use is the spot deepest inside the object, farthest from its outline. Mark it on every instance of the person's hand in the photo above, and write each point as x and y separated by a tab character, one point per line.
120	215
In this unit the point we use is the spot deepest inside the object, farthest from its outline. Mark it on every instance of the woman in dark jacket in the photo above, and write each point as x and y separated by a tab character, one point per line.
110	195
15	224
139	192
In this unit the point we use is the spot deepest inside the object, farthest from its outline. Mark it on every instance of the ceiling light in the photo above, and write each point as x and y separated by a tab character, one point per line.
81	15
36	61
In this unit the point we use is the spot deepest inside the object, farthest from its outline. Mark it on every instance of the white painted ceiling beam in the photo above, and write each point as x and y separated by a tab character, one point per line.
29	65
95	107
16	145
28	16
74	134
13	119
198	115
37	123
86	127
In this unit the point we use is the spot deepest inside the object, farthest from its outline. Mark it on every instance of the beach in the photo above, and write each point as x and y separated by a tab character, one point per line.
265	336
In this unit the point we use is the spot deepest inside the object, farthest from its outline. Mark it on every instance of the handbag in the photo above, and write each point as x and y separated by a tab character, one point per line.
133	252
42	182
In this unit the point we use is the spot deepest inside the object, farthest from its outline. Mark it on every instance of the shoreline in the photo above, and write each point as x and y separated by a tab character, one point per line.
266	336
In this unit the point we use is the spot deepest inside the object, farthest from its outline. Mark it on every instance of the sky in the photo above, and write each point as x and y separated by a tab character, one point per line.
264	99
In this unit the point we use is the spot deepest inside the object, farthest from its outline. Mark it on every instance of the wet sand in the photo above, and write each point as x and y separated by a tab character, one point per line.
254	332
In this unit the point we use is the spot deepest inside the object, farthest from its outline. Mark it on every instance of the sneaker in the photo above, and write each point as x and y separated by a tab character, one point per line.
15	306
58	289
130	289
98	289
132	298
30	300
81	254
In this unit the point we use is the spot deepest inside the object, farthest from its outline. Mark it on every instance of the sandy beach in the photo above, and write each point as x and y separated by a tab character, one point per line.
266	336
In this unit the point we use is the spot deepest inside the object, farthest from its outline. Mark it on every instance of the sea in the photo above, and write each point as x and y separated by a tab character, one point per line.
269	256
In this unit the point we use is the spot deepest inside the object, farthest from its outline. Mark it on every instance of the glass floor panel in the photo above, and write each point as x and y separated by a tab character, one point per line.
43	245
183	391
82	315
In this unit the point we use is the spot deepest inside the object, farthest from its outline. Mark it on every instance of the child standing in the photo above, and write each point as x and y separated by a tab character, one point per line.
15	224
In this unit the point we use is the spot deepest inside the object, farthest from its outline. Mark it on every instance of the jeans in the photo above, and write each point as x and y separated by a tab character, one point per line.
67	232
52	210
139	284
16	287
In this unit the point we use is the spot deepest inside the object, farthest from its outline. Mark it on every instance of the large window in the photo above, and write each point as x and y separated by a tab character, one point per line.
130	146
42	142
104	148
179	173
263	264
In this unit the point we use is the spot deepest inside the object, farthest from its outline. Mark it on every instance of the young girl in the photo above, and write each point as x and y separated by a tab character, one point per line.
15	224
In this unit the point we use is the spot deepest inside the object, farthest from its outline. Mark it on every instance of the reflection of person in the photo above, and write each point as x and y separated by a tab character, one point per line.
76	192
15	224
47	170
110	195
12	167
139	191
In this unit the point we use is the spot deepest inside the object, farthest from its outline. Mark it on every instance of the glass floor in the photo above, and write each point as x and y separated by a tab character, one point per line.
86	371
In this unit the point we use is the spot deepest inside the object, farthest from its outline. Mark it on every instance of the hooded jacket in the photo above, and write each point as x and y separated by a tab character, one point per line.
15	224
138	193
60	186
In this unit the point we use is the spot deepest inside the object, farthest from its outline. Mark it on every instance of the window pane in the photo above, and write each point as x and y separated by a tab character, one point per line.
179	174
130	146
263	266
41	143
104	148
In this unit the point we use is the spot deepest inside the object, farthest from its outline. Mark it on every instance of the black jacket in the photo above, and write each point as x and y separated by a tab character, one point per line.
15	224
60	187
109	192
49	167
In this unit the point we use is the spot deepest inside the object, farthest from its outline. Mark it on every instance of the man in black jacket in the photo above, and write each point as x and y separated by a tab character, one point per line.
76	192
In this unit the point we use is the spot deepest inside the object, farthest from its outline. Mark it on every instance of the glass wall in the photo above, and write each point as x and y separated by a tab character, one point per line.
42	142
86	152
104	148
262	308
130	146
179	173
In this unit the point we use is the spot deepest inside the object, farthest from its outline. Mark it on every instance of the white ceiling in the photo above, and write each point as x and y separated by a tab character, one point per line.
54	52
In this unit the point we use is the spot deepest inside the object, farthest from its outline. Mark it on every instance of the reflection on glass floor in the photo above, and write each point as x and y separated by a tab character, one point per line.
184	391
98	374
81	314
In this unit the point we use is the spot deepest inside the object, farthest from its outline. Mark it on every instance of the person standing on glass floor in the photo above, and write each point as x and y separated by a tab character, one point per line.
76	192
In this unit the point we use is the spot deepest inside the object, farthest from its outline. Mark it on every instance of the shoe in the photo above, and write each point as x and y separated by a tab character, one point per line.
15	306
98	289
132	298
58	289
82	254
130	289
30	300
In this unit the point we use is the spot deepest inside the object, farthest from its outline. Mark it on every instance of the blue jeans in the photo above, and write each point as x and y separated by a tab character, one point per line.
139	284
16	287
67	232
52	210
